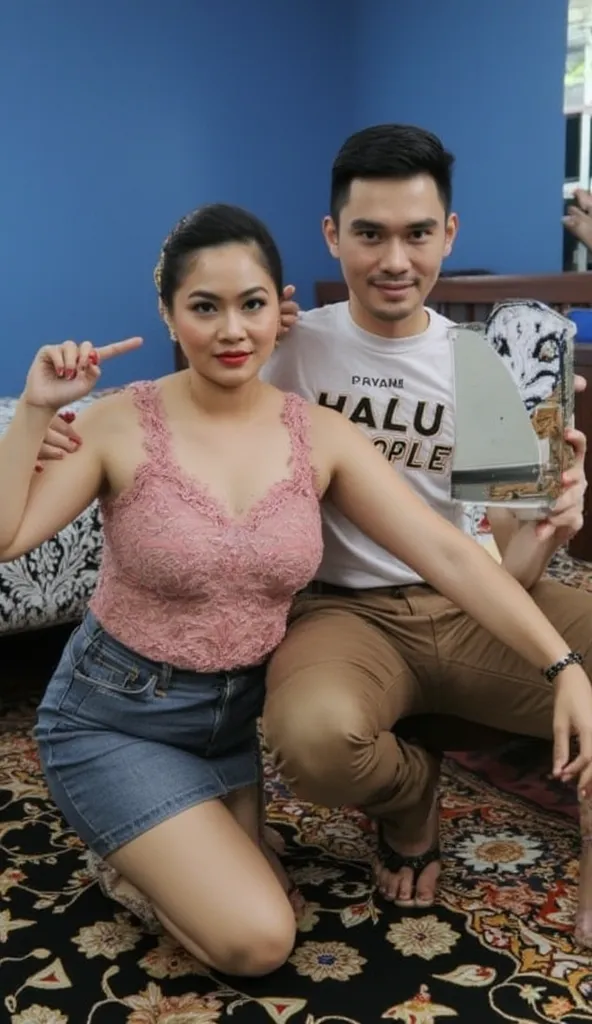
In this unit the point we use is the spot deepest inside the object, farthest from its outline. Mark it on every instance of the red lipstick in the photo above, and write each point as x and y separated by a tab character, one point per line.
233	359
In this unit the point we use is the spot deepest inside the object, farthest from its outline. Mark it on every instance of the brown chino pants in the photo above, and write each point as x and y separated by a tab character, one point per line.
356	668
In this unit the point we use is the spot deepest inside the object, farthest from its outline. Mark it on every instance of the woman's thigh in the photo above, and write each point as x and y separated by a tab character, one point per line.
212	887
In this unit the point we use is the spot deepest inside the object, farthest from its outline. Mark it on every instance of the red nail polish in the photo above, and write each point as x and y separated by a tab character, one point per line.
93	358
68	417
39	469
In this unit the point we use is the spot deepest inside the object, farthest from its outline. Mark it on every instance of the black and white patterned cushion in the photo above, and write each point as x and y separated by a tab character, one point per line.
53	583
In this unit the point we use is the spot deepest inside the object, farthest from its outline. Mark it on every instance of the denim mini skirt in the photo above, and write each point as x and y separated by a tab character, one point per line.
126	742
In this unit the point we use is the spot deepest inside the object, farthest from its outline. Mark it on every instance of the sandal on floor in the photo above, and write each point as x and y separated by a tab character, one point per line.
393	861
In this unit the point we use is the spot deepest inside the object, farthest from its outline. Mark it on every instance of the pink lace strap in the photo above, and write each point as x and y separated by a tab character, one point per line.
148	402
157	442
296	417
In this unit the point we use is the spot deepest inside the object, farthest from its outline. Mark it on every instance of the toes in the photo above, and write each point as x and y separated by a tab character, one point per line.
406	886
425	892
404	889
274	840
583	932
382	879
297	902
395	887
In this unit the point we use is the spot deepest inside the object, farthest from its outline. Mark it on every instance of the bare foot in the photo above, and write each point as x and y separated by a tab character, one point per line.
274	839
294	895
115	887
583	933
412	885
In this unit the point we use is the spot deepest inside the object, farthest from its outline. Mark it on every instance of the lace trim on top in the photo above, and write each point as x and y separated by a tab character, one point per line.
160	456
186	583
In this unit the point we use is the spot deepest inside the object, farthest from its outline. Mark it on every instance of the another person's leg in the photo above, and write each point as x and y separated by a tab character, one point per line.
335	688
578	218
483	681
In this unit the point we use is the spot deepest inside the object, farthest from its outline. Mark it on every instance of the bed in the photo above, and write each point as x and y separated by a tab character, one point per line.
52	584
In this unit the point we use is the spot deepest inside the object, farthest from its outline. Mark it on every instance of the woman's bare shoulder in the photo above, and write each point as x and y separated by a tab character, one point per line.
109	413
331	434
330	427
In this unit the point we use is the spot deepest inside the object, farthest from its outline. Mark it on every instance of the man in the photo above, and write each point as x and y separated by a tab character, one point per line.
578	218
374	650
373	645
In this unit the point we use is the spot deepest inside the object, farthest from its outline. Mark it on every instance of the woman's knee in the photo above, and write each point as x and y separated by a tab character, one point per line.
253	948
258	951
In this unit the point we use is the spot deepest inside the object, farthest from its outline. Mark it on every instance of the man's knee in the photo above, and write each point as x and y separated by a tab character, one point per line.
319	738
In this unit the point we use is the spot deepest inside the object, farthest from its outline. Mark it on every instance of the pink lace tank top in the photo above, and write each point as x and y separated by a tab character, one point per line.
181	581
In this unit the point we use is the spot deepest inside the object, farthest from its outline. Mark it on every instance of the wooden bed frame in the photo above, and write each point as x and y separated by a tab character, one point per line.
466	299
469	298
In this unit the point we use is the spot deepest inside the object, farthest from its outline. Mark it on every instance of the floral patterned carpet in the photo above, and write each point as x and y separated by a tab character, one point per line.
498	945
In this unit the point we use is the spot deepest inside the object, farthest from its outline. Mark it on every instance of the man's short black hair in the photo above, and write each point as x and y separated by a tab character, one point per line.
398	151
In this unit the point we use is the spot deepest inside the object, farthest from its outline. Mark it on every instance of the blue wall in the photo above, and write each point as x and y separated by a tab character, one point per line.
124	115
487	78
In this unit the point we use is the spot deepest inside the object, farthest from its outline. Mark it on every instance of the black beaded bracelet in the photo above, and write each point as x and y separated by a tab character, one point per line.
573	658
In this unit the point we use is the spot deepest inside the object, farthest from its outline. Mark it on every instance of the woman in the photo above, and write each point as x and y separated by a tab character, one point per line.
210	483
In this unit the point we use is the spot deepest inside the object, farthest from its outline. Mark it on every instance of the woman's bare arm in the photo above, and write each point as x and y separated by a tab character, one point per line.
35	506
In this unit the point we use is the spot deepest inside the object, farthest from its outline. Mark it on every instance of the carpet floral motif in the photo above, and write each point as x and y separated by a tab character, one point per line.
498	946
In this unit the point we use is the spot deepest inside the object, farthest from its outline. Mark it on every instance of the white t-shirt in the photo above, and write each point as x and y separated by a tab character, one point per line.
401	393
